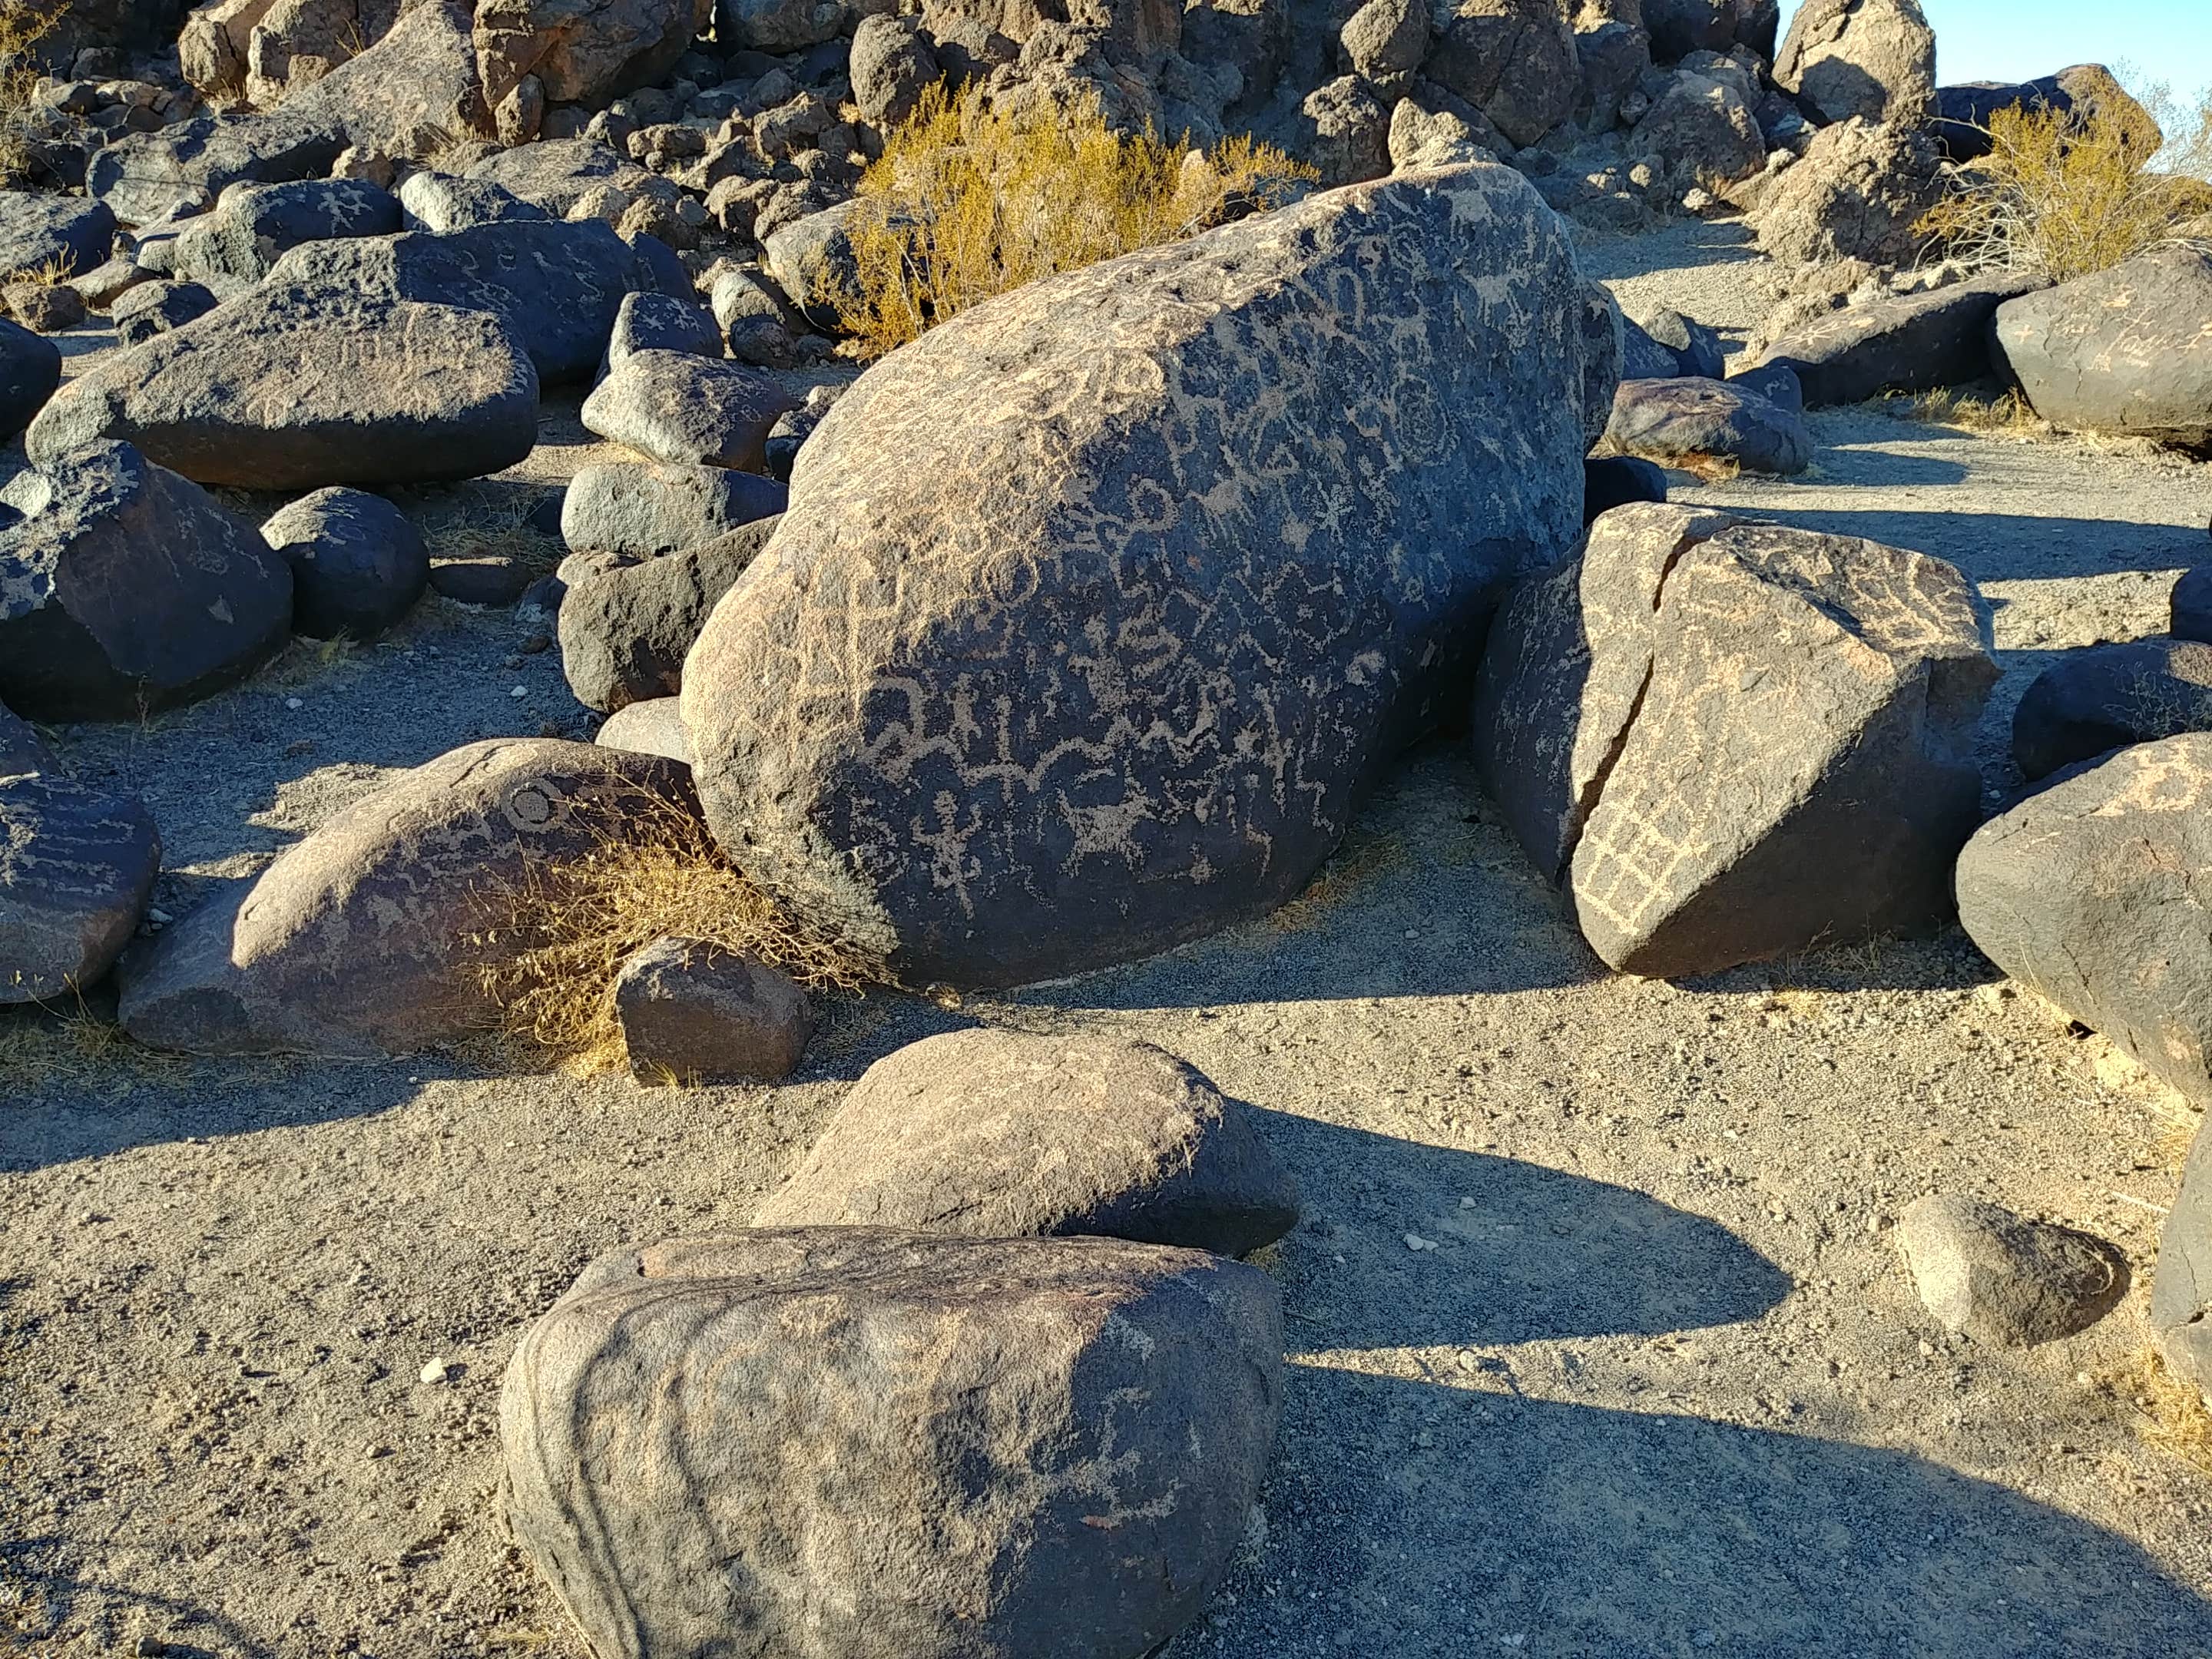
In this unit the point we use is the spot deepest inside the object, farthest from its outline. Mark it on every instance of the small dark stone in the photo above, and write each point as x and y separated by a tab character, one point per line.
689	1009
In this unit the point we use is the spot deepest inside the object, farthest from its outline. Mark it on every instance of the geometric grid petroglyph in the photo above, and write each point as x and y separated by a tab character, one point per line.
1104	590
1774	650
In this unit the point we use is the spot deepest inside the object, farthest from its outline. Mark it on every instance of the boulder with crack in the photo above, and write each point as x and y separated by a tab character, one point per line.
1734	740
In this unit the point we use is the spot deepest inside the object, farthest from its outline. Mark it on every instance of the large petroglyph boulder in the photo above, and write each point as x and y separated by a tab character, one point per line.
2088	892
1736	740
124	588
1875	59
76	865
2126	350
1102	665
289	388
841	1440
371	936
253	225
1004	1134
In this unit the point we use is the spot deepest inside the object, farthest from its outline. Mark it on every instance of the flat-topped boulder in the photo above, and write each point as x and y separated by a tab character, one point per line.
125	589
294	388
1912	342
1103	664
847	1440
252	225
557	286
1687	421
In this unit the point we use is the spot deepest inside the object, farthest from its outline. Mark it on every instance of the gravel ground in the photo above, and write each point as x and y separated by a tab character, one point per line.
1601	1343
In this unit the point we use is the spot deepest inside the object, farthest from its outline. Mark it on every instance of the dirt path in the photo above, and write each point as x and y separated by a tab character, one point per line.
1651	1382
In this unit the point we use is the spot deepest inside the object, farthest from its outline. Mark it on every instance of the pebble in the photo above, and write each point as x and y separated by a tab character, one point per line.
435	1371
1415	1242
293	702
520	691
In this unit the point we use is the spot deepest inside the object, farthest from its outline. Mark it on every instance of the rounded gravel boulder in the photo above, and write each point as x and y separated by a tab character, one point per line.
358	563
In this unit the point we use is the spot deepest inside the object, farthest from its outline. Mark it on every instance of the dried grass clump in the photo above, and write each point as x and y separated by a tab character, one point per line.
655	870
481	529
2006	416
2058	198
968	202
2173	1414
23	24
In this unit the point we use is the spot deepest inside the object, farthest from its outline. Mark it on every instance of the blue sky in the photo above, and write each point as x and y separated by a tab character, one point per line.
2167	40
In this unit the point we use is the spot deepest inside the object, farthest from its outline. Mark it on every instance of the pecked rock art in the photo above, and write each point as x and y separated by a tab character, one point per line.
1092	610
369	936
818	1443
1734	740
2091	891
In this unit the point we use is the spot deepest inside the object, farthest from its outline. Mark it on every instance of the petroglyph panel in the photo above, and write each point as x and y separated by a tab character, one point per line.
1093	610
2094	891
75	868
819	1443
290	389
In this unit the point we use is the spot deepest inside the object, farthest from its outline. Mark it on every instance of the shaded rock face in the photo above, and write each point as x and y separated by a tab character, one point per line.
124	588
369	936
1687	421
1914	342
1735	740
1679	27
1515	60
625	633
40	231
845	1440
1987	1273
2108	697
557	286
1857	193
583	52
21	749
1103	665
691	1010
2181	1290
1662	343
661	322
1003	1134
2189	609
2084	92
1618	480
152	308
358	564
142	177
2126	350
2086	891
77	867
811	259
252	225
1875	59
644	510
30	371
289	388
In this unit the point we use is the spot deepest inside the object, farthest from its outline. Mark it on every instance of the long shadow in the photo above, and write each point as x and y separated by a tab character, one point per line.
2004	547
1405	1520
1506	1252
54	1600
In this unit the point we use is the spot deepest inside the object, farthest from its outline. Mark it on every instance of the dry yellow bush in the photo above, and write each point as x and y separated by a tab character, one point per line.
968	202
654	872
2058	199
23	24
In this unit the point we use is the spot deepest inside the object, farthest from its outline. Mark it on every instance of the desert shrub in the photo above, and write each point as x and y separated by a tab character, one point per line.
2058	198
23	24
654	872
968	202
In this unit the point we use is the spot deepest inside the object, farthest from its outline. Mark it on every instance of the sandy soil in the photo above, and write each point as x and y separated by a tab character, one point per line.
1601	1343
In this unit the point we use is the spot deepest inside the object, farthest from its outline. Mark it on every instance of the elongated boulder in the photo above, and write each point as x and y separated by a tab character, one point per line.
1003	1134
76	865
65	234
1737	740
253	224
1913	342
2126	350
625	633
143	177
1102	664
841	1441
287	388
2088	892
124	588
2181	1290
1686	422
558	286
371	936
